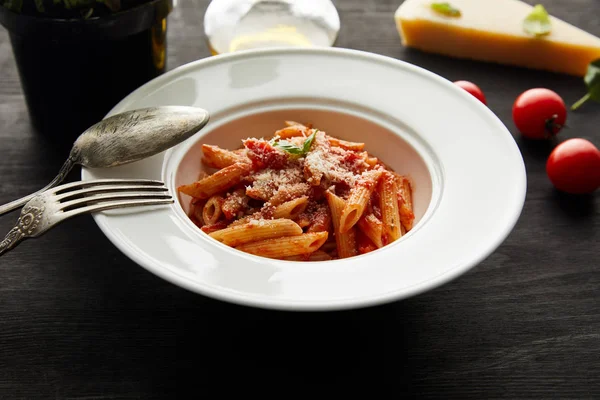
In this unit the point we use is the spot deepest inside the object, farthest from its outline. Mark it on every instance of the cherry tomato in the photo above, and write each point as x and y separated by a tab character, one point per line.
574	166
473	89
539	113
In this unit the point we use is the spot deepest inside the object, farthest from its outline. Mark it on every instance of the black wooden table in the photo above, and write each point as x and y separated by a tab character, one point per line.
80	320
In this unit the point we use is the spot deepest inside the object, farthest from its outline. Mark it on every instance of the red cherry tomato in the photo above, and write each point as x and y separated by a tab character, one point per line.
539	113
473	89
574	166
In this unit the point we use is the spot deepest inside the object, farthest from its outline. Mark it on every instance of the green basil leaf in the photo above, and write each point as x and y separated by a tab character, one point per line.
292	148
538	22
446	9
592	81
288	147
308	142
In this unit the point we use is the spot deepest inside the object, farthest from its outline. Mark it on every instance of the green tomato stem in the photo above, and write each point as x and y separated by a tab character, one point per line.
579	102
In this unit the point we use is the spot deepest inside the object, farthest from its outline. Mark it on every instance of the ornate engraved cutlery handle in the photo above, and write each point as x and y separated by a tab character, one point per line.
26	226
11	240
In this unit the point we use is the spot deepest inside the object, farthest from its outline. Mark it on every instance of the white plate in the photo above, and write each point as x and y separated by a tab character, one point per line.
469	175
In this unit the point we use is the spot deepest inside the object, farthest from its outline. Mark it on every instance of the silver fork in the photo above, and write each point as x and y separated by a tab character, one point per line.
60	203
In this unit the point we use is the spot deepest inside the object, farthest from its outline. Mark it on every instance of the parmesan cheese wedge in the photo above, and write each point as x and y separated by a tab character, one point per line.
492	31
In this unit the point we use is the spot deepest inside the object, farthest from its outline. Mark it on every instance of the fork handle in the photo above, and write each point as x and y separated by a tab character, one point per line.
11	240
62	174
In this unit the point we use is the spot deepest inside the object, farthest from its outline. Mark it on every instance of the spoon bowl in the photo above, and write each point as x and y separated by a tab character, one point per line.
125	138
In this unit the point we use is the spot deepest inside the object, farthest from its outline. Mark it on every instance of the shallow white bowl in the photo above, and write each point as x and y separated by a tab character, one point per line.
469	174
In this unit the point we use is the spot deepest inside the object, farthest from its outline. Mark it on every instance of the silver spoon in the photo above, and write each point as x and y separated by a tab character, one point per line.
125	138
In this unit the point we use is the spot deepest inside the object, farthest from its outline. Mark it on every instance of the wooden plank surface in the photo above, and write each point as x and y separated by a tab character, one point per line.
79	320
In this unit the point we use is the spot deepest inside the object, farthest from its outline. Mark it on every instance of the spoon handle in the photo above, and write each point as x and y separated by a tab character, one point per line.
64	170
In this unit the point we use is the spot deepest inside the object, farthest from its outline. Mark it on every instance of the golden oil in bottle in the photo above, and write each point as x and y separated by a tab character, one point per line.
236	25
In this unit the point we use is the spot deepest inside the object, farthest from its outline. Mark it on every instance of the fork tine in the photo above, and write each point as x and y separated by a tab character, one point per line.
108	188
97	182
113	205
112	196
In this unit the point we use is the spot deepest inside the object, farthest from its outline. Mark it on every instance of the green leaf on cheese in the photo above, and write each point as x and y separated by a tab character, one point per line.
538	22
446	9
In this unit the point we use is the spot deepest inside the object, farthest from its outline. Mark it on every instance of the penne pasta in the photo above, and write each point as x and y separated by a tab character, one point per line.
388	204
321	221
217	157
372	161
291	209
235	204
217	182
330	245
300	195
212	210
292	131
293	123
407	215
345	145
196	207
363	243
372	227
318	255
256	230
346	241
359	197
286	246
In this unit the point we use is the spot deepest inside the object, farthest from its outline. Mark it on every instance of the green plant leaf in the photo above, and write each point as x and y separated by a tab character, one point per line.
592	81
446	9
538	22
308	142
291	148
87	14
14	5
39	5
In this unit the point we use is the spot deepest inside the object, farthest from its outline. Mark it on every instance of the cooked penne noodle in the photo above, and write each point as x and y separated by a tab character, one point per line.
292	131
372	161
286	246
372	227
330	245
290	198
235	204
388	203
364	244
321	222
345	242
212	210
214	227
345	144
303	221
257	230
196	207
291	209
407	215
217	157
217	182
318	255
293	123
359	197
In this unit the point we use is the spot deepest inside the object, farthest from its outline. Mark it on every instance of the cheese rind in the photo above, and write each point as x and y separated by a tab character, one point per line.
492	30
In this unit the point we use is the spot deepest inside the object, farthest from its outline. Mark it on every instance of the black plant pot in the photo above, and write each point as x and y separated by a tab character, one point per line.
74	71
